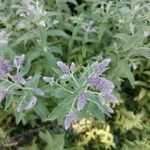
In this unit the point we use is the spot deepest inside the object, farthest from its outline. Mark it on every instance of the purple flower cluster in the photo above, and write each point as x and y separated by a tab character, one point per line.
71	116
110	110
49	80
3	93
101	67
81	101
100	83
69	119
18	79
4	67
109	97
65	68
95	81
18	61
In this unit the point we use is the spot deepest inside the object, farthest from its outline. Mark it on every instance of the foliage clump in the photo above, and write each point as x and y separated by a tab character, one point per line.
79	64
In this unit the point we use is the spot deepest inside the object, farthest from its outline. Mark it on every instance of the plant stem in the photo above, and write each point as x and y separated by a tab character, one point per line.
63	88
73	103
10	87
93	92
27	88
94	102
74	80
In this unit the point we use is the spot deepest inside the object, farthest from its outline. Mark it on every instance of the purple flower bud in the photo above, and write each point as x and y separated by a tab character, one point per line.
3	93
63	67
18	61
81	101
38	91
110	97
49	80
72	67
69	119
4	67
102	100
110	110
65	76
100	83
102	66
32	103
18	79
29	79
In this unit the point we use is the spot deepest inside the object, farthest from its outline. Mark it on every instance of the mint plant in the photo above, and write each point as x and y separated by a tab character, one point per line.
41	92
90	90
82	91
13	84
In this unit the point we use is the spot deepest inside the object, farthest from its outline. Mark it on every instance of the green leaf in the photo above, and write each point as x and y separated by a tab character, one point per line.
33	82
41	110
95	111
98	109
54	49
5	84
123	70
26	37
9	99
32	55
59	93
71	1
19	117
54	142
56	33
130	41
62	109
65	1
50	61
101	31
58	71
141	51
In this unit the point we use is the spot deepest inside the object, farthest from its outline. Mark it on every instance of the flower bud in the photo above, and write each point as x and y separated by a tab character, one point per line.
64	77
49	80
69	119
18	79
38	91
81	101
72	67
110	110
32	103
63	67
101	83
18	61
102	66
110	97
3	93
4	68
